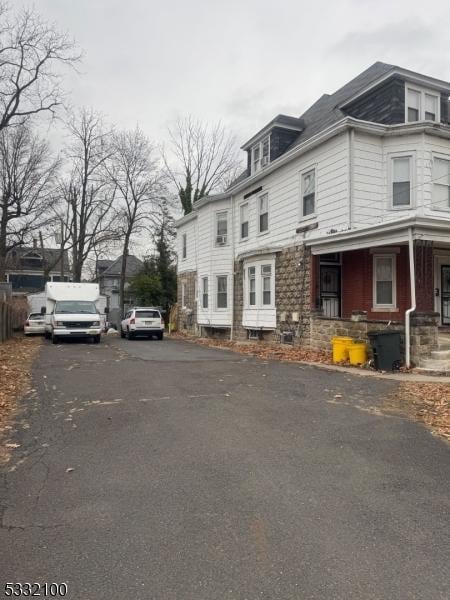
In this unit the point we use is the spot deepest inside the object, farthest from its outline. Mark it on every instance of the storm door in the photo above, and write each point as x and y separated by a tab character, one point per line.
445	294
330	290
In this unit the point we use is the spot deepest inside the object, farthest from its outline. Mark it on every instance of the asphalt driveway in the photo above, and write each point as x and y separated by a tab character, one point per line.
169	471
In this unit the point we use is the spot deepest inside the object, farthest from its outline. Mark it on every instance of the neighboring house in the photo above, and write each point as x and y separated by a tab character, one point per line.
318	230
108	276
28	268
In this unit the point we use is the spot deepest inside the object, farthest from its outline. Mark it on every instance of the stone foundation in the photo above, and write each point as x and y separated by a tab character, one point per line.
187	315
424	335
424	332
293	293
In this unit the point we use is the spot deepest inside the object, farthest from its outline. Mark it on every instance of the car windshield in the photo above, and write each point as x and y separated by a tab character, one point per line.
147	314
35	317
75	307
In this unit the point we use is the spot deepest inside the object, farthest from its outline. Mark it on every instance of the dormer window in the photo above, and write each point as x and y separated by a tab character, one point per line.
421	105
260	154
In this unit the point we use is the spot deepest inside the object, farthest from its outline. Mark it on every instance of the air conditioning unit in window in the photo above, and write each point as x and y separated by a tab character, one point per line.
221	240
264	161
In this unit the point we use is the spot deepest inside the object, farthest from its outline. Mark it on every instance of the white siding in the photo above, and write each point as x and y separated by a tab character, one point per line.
330	161
214	261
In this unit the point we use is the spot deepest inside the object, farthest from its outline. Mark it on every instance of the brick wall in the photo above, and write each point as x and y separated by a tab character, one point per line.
187	317
357	282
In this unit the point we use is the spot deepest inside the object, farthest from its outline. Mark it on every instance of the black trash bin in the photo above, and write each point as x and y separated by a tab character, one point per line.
386	349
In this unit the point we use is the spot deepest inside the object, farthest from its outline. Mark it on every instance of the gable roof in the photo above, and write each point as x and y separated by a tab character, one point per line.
134	265
25	258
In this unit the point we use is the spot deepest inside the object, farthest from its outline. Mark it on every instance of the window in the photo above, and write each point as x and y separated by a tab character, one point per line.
431	110
221	228
384	281
263	213
401	181
183	295
308	193
422	105
222	296
184	251
266	278
260	154
413	105
441	184
244	220
252	286
205	292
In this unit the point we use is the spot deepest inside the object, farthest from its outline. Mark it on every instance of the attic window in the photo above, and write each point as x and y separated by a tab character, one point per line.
260	154
32	255
421	105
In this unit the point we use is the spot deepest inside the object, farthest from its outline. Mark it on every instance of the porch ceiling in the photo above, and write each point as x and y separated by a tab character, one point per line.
385	234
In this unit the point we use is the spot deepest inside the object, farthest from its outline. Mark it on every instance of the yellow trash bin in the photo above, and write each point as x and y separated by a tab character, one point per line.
358	353
340	345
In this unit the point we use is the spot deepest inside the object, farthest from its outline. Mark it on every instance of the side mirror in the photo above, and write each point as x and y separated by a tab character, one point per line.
43	311
106	310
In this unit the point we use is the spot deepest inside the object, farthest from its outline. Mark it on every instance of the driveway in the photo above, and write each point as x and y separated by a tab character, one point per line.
170	471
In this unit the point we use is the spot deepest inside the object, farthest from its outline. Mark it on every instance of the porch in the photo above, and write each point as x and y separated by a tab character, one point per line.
361	281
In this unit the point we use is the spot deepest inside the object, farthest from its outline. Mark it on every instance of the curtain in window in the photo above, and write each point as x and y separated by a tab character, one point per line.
384	271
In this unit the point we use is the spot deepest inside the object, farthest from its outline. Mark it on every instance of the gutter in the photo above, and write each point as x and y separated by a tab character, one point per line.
412	282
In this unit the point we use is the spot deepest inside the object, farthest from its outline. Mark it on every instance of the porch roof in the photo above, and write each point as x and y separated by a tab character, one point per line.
383	234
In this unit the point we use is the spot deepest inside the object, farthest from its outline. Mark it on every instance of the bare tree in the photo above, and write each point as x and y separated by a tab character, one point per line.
135	174
202	159
31	53
28	174
86	194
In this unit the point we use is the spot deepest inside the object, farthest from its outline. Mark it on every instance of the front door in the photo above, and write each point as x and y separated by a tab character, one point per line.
445	294
330	290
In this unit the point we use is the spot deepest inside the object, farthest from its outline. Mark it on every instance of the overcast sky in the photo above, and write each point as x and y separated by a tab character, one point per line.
240	61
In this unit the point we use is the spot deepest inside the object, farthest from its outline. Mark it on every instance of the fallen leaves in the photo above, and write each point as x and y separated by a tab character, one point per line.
428	403
265	350
16	357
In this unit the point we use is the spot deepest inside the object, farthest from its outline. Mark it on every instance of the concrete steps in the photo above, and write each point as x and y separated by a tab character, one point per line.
439	360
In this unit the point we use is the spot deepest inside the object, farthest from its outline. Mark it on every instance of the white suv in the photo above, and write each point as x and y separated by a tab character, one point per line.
142	321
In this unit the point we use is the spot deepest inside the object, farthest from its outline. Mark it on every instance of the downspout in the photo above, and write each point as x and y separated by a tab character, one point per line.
232	270
412	280
351	138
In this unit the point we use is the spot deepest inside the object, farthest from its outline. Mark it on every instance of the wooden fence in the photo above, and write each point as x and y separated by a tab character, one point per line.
12	319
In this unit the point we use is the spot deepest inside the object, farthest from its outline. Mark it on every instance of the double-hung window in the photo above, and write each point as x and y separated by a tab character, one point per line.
413	99
308	193
441	184
243	218
222	293
252	286
184	251
221	228
205	292
266	281
422	105
260	154
431	107
401	181
183	295
384	285
263	213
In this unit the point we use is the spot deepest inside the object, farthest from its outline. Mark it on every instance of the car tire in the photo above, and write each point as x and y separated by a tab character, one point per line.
122	335
96	339
54	339
160	335
130	336
46	335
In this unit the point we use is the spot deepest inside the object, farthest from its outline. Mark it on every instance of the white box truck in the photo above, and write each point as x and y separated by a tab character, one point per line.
72	310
